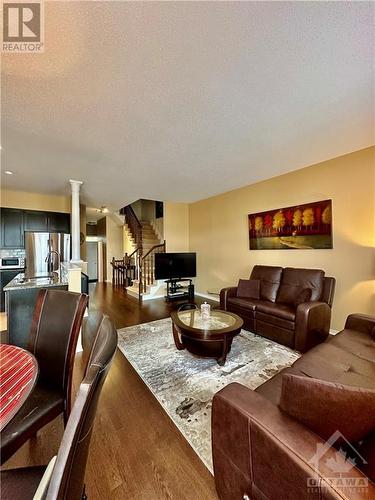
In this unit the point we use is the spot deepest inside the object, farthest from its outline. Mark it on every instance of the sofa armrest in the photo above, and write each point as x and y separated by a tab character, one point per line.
225	293
362	323
261	452
313	320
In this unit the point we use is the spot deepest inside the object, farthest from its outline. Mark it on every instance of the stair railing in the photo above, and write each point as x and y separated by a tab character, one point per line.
144	264
134	225
147	267
123	271
135	228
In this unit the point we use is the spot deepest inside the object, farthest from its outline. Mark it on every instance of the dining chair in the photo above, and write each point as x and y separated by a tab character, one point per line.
53	339
64	477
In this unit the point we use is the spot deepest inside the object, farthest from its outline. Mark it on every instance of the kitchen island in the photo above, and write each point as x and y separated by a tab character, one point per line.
20	298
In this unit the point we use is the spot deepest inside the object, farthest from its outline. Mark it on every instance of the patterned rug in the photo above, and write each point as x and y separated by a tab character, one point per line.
184	384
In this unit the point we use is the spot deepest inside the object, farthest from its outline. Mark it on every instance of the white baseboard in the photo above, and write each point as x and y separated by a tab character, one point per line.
333	332
215	298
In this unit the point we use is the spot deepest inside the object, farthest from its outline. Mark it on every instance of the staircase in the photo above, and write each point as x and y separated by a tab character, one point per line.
146	244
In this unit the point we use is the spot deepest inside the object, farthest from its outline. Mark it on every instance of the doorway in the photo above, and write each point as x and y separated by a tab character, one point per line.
92	260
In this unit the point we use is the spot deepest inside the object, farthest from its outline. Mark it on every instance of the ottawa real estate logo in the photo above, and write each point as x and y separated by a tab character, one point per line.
23	27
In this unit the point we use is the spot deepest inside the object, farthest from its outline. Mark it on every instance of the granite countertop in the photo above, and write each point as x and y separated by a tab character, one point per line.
56	279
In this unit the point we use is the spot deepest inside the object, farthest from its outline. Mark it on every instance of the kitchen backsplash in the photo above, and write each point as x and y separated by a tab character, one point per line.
12	252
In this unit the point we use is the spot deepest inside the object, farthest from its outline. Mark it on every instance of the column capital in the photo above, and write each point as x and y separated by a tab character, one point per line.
75	184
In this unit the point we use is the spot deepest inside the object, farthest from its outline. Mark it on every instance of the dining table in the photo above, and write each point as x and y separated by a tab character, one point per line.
18	375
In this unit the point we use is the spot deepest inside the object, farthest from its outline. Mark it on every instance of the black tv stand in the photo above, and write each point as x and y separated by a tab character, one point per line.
177	291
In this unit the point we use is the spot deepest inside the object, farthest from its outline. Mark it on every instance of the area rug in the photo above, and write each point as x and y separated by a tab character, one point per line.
184	384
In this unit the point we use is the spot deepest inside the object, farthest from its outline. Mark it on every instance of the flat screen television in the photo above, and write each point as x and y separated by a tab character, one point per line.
175	265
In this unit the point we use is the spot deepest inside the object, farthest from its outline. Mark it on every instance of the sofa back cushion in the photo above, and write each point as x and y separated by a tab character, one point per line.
269	277
248	289
326	407
295	280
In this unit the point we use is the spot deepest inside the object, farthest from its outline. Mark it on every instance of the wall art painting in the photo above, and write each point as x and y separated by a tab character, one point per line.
307	226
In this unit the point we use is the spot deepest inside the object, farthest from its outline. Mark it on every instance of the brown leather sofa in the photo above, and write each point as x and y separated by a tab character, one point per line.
261	452
275	316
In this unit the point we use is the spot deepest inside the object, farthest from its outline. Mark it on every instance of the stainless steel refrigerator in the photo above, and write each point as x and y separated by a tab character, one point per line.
44	251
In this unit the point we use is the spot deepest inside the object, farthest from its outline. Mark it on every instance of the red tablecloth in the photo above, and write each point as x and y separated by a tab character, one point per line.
18	374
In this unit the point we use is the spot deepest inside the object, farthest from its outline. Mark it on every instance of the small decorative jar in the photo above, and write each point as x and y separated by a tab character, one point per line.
205	310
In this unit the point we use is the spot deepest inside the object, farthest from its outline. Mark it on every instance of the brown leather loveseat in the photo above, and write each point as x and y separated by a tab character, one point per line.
275	314
261	451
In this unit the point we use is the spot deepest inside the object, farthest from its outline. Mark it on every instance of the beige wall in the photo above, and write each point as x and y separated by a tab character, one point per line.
114	244
218	230
128	245
176	226
34	201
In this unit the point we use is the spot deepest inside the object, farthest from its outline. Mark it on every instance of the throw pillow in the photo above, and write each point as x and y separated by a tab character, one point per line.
303	296
248	289
325	407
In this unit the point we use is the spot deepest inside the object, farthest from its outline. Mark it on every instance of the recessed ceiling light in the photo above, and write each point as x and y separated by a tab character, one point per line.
8	172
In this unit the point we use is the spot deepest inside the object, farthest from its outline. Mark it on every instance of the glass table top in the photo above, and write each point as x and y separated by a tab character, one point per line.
216	321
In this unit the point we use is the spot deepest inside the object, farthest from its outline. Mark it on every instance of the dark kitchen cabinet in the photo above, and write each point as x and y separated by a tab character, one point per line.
58	222
5	278
12	228
14	222
34	220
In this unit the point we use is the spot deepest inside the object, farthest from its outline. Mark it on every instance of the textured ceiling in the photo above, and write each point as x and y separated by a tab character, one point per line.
183	100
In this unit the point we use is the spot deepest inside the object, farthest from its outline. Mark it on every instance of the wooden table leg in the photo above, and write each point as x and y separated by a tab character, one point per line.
180	346
226	348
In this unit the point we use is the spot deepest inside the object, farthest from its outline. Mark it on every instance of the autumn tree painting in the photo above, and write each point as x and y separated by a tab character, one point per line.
297	218
304	226
308	217
278	221
258	226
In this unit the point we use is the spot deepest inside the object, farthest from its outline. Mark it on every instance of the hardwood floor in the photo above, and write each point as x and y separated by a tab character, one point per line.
136	451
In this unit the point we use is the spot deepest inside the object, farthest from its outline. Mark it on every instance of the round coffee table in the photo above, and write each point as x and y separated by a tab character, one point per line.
206	337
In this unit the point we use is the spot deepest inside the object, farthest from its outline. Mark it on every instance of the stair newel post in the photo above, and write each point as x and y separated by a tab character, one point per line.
140	272
113	270
146	271
152	268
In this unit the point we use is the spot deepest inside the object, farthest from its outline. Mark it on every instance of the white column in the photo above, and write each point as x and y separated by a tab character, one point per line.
75	227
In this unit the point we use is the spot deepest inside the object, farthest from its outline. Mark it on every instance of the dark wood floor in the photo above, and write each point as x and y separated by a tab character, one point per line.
136	451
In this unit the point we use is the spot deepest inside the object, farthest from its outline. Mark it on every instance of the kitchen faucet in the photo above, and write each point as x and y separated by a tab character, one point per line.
49	260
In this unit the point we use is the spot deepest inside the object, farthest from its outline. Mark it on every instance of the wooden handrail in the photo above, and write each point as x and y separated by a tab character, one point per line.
144	264
147	267
131	255
134	224
153	248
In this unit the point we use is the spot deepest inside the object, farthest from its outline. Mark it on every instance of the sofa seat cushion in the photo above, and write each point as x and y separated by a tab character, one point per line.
283	311
329	362
271	389
294	281
325	407
359	343
274	320
240	303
